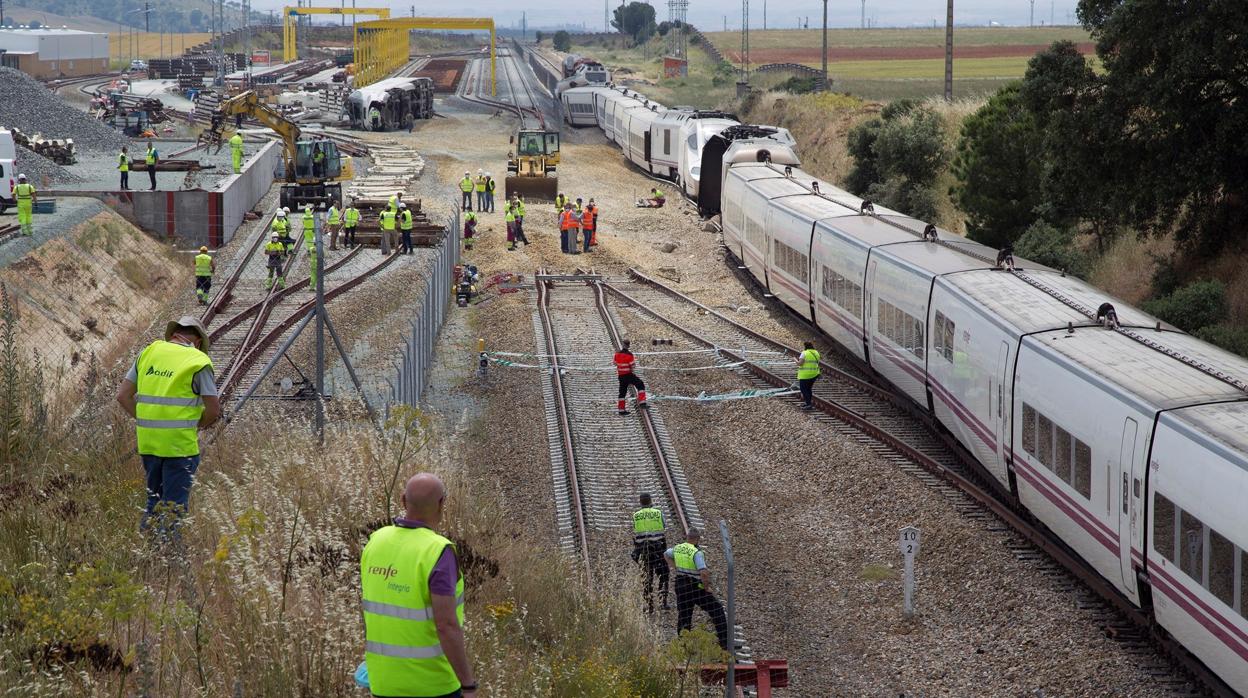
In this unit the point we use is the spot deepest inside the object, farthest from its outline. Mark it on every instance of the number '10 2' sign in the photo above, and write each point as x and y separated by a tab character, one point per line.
909	541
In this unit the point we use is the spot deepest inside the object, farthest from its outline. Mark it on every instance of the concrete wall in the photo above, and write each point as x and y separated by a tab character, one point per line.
240	193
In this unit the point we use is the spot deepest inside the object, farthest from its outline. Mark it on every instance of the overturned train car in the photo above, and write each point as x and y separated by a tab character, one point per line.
390	104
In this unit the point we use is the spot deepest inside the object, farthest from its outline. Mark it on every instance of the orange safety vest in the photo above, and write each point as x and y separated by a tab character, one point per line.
590	218
566	222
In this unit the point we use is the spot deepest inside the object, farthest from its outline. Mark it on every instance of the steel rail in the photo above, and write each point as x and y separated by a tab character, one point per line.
246	360
226	293
652	436
997	501
271	298
281	294
565	426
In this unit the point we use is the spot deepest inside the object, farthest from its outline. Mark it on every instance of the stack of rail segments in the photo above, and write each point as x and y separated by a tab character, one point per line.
394	168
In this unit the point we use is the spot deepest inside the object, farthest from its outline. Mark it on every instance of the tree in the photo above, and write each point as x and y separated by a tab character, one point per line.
539	35
1177	83
998	168
898	157
197	18
635	19
562	41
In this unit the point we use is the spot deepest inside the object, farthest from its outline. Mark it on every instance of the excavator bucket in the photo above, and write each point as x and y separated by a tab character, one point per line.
532	188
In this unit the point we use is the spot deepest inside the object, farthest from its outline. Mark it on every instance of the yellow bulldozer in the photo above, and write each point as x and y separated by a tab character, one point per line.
531	165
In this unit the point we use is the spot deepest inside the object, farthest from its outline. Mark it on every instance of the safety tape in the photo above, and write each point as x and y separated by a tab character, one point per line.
604	369
721	397
713	350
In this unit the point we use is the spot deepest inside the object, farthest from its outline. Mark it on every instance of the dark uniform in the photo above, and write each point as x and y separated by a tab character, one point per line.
691	592
648	546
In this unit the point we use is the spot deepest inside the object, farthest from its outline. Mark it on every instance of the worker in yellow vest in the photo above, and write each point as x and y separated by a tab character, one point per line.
480	183
807	372
275	252
123	166
649	542
393	203
25	194
470	229
693	586
387	231
465	187
151	159
560	202
413	603
171	393
351	219
236	152
281	227
309	244
405	227
205	267
333	223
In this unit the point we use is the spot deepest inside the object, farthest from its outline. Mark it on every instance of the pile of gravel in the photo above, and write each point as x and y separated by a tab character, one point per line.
26	104
40	169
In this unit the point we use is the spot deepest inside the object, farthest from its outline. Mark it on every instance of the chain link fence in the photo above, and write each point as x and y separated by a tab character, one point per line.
415	358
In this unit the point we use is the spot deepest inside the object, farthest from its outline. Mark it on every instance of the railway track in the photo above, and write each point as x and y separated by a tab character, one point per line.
261	317
884	422
601	460
526	106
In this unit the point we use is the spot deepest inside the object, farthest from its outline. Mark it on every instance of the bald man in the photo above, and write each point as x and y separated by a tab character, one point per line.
414	603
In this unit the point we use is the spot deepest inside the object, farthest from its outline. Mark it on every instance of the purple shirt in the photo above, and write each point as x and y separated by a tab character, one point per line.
445	574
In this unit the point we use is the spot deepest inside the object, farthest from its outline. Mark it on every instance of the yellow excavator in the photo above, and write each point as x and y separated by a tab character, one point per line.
314	168
531	166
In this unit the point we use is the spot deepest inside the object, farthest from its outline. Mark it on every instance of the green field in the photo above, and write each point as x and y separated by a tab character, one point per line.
898	38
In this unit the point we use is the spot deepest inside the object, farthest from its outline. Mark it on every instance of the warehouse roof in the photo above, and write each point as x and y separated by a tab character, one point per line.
45	31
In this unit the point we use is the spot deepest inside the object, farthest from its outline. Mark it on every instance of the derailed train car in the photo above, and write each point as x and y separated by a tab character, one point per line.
388	104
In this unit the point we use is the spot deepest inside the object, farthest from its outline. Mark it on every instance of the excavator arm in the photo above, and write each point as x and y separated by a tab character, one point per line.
248	104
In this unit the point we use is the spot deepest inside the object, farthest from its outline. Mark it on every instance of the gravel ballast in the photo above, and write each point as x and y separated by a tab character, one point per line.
27	104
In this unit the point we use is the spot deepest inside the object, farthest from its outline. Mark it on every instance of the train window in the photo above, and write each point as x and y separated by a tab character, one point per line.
1044	442
916	342
693	141
1029	429
842	292
1221	568
667	141
1062	451
1163	526
1083	469
1191	546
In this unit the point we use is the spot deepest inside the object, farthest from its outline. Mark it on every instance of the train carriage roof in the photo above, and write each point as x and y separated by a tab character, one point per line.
1221	427
931	259
1091	297
774	187
1151	379
1005	298
866	230
812	207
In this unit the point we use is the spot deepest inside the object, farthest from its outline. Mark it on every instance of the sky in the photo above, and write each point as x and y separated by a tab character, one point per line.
709	14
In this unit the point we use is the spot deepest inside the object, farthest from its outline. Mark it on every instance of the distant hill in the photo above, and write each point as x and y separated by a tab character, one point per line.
113	15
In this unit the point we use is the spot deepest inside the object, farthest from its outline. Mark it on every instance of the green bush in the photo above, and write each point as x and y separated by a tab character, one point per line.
799	86
562	41
1052	247
1230	337
1193	306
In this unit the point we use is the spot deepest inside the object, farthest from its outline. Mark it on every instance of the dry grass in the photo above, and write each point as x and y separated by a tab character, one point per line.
262	598
962	36
1126	268
819	122
151	45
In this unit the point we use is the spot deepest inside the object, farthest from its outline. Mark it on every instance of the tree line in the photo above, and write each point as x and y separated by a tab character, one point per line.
1153	141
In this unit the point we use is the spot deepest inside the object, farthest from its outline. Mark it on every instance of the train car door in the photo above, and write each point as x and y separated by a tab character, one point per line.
1128	506
997	393
869	313
647	153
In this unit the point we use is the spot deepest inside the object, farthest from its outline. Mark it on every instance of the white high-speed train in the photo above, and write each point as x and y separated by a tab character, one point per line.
1125	436
664	142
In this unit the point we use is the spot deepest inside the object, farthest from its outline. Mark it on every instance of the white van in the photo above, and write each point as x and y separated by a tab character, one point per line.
8	169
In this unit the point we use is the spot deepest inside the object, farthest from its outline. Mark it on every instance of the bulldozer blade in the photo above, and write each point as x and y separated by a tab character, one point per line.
532	188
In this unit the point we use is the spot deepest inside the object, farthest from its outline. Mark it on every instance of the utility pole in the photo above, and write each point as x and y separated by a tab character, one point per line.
764	15
864	14
725	23
606	13
948	52
825	44
1031	22
745	41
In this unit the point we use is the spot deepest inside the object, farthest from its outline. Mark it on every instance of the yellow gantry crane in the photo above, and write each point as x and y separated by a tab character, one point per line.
291	15
381	46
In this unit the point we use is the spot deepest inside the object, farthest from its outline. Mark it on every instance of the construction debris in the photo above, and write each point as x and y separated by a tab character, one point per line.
58	150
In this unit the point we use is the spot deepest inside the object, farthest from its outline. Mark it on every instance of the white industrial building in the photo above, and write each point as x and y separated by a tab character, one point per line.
50	53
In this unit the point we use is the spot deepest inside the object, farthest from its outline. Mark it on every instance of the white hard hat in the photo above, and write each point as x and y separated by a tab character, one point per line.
478	170
487	174
273	235
21	176
402	204
286	209
281	213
